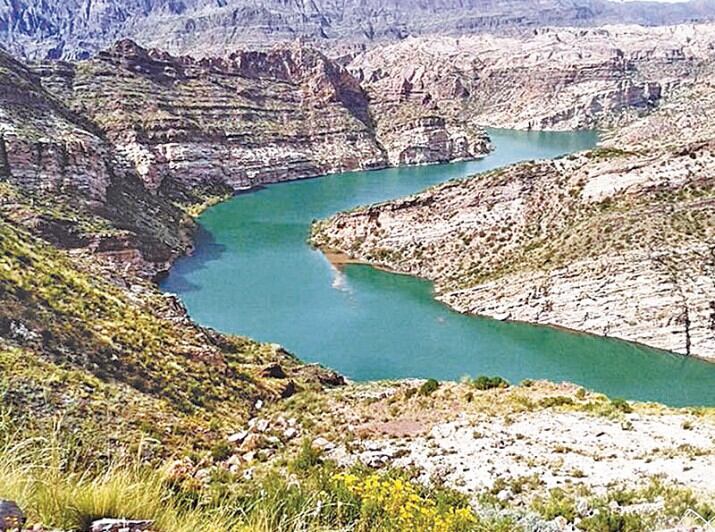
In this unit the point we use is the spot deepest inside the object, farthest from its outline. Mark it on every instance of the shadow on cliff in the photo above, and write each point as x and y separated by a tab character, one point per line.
206	250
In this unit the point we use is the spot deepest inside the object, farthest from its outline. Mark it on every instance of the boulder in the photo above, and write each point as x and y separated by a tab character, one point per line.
11	516
289	390
273	371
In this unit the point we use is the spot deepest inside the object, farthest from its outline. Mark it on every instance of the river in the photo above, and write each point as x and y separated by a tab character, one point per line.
253	274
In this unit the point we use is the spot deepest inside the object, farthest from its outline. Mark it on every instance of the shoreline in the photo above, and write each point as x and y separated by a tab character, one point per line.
340	259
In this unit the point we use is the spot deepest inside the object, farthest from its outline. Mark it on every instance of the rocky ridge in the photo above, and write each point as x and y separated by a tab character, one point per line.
251	118
617	241
73	29
510	448
553	78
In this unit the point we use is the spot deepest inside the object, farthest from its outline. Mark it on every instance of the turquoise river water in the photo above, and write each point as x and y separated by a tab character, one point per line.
254	274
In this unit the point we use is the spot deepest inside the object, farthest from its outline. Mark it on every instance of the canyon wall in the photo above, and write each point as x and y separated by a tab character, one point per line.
77	29
618	241
43	144
554	78
251	118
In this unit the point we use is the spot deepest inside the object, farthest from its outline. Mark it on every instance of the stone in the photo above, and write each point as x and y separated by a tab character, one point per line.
560	522
322	444
290	433
274	371
252	442
237	437
289	390
120	525
11	516
505	495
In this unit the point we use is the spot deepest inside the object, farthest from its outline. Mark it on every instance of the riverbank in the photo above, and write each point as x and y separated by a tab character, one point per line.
616	241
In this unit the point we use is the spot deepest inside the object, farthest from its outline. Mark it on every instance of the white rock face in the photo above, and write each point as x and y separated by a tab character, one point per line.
554	78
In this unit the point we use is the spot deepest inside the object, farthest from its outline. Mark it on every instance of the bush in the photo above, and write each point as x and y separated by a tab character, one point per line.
307	458
221	450
559	400
558	504
487	383
622	405
429	387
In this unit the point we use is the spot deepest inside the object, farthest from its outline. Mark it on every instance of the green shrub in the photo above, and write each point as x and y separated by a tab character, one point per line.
621	405
221	450
307	458
487	383
606	520
429	387
559	503
559	400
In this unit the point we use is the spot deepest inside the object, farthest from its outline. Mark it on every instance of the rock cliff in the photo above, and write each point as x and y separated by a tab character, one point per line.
618	241
251	118
555	78
75	29
42	143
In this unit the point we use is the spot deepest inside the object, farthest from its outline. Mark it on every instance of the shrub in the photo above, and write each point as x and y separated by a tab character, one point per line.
622	405
559	400
221	450
487	383
307	458
559	503
429	387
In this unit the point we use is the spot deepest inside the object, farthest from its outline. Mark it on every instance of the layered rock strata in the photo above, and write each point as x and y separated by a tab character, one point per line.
618	241
554	78
74	29
245	120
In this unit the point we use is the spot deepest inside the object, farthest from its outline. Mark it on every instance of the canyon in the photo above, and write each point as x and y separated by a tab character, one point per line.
106	160
78	29
617	241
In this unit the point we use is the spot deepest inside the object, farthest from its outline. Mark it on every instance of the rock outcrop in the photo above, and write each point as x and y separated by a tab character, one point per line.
44	145
619	241
251	118
74	29
555	78
248	119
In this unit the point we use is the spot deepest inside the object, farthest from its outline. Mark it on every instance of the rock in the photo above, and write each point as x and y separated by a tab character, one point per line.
331	378
583	508
203	475
560	522
322	444
249	456
505	495
120	525
289	390
252	442
273	441
274	371
628	291
290	433
237	437
52	29
259	404
11	516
